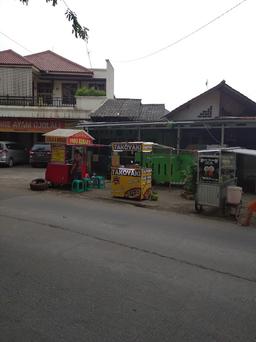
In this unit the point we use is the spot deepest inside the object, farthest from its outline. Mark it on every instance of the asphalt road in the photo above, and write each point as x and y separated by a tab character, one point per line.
74	269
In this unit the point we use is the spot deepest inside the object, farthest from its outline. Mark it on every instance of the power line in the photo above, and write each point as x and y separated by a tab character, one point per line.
14	41
186	36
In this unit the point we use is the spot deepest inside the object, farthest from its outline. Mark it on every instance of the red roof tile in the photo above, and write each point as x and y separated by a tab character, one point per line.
52	62
9	57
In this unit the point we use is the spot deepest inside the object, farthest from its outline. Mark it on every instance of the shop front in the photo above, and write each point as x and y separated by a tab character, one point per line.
28	131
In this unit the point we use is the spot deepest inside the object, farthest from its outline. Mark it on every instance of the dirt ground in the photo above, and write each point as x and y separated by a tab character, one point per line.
169	198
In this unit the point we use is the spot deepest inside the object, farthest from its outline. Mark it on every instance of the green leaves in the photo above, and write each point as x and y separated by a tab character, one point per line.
78	30
83	91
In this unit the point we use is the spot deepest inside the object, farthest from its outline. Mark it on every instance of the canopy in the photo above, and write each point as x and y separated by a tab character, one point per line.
69	137
237	150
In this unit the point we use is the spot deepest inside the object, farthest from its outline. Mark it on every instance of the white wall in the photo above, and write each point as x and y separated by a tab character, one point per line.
108	74
57	88
205	107
15	81
43	112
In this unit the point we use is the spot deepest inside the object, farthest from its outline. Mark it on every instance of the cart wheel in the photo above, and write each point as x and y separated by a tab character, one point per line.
198	207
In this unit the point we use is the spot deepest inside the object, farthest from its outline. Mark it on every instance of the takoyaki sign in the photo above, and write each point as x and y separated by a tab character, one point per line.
132	147
209	169
126	172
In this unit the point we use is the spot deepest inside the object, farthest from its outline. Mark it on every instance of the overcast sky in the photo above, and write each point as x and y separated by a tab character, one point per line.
122	30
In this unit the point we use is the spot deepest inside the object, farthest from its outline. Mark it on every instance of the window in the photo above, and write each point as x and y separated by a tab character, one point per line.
68	92
44	92
98	84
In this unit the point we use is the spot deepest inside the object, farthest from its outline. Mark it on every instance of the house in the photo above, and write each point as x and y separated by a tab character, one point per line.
37	93
117	119
221	101
219	116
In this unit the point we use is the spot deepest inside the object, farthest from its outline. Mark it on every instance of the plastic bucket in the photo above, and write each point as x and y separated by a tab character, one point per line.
234	194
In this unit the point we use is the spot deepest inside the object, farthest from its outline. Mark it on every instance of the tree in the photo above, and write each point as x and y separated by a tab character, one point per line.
78	30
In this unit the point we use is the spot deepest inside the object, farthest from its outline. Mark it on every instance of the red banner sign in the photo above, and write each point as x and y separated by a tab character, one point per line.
80	139
30	125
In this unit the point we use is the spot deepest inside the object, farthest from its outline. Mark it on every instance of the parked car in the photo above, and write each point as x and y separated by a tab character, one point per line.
40	154
12	153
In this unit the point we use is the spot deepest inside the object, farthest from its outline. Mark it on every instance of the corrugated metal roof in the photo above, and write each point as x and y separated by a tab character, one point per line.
245	151
50	61
10	57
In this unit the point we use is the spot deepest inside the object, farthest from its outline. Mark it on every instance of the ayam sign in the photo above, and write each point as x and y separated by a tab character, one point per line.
29	125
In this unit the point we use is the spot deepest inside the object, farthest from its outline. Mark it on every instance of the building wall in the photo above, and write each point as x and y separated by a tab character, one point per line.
15	81
205	107
108	74
232	107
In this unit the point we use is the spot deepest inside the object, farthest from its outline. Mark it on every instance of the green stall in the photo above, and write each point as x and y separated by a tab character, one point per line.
168	167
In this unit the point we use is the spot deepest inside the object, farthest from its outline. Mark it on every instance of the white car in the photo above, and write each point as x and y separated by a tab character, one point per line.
12	153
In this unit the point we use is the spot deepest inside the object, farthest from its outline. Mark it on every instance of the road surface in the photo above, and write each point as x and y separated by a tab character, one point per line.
74	269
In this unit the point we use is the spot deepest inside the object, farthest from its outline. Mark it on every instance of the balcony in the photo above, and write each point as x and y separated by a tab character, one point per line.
37	101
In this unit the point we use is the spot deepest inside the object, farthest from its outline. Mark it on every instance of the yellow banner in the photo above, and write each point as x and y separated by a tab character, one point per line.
58	154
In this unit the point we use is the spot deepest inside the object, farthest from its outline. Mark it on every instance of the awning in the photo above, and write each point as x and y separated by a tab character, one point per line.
69	137
245	151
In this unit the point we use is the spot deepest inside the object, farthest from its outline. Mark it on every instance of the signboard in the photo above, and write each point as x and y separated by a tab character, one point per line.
131	183
209	169
58	154
30	125
81	138
122	171
131	147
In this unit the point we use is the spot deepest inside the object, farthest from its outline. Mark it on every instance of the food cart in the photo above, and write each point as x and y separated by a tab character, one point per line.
129	179
64	142
216	179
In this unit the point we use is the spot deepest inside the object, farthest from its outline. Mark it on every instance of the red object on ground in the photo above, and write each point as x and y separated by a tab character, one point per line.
58	174
252	206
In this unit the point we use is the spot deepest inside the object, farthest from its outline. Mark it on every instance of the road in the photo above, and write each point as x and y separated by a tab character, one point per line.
74	269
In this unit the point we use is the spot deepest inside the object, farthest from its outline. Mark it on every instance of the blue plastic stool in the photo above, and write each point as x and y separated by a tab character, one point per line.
87	184
78	185
100	182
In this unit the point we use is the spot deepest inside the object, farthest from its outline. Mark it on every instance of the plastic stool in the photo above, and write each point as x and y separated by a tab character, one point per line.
77	185
100	182
87	184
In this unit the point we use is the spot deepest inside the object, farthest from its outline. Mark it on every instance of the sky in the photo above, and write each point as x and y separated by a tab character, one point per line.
122	30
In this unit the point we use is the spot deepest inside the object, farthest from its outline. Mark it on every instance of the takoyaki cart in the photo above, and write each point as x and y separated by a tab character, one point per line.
216	179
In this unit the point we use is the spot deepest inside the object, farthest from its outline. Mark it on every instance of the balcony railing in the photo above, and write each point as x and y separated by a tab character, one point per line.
41	101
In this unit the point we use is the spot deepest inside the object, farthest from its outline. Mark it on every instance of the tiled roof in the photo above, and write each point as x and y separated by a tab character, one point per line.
152	112
52	62
9	57
118	109
128	109
222	86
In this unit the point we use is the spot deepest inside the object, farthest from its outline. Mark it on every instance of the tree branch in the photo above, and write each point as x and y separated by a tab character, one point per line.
78	30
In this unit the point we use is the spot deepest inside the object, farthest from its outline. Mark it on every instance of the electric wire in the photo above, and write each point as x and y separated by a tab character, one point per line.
200	28
14	41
